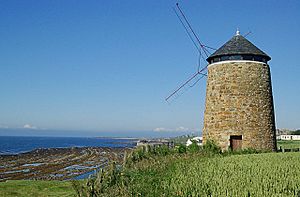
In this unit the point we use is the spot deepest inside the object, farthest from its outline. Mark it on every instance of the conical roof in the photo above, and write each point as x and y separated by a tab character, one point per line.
238	45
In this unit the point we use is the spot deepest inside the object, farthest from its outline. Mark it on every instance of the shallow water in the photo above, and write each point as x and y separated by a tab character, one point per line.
32	164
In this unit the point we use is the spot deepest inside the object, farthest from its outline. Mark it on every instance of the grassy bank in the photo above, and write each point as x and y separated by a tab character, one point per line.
199	172
36	188
267	174
288	144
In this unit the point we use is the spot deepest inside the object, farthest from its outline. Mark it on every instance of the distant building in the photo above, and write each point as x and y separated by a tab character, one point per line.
155	143
198	140
288	137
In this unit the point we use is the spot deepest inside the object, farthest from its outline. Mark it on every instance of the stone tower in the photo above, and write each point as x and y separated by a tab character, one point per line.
239	110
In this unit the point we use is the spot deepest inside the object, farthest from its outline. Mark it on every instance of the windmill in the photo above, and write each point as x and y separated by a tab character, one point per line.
203	51
239	108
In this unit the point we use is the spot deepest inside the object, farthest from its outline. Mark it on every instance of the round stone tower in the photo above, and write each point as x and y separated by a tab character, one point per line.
239	110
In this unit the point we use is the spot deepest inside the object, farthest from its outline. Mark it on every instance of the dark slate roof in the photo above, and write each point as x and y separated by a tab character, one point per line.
238	45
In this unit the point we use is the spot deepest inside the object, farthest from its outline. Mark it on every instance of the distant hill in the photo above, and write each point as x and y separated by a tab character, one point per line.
287	132
297	132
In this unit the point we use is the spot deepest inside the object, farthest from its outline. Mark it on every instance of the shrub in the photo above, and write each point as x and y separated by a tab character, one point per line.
102	183
145	152
194	147
211	148
181	148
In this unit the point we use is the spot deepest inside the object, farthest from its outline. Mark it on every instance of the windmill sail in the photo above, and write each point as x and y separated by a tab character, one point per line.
201	48
191	82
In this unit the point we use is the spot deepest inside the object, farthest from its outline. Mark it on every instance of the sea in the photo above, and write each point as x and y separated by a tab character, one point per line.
20	144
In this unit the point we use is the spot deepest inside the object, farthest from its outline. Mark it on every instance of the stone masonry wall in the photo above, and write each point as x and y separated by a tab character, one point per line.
239	101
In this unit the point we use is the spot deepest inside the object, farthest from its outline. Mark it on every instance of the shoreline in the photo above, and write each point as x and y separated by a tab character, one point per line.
58	163
42	149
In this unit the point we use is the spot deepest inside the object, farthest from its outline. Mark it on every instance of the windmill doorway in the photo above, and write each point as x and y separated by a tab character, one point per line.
236	142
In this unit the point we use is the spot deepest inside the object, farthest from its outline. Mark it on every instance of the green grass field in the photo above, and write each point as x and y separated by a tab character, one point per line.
266	174
36	189
288	144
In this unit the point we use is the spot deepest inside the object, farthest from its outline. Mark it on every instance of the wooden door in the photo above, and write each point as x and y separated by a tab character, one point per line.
236	142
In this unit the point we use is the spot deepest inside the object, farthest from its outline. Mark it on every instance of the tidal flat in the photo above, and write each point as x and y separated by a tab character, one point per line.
58	163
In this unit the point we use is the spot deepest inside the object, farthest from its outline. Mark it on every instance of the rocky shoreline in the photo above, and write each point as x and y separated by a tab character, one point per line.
58	163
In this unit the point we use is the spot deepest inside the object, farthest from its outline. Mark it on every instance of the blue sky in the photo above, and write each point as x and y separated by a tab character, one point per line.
108	65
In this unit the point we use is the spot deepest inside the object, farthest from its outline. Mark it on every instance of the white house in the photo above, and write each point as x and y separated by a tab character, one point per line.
198	140
289	137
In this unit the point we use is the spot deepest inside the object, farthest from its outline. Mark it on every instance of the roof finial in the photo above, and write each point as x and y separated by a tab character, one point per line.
237	32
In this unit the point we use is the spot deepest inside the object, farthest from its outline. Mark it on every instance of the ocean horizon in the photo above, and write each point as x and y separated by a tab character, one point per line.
20	144
89	133
19	140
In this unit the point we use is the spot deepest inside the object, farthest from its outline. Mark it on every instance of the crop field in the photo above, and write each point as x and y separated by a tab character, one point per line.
267	174
241	175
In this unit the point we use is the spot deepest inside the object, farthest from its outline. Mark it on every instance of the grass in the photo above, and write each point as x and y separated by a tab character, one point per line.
288	144
266	174
203	172
189	174
27	188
